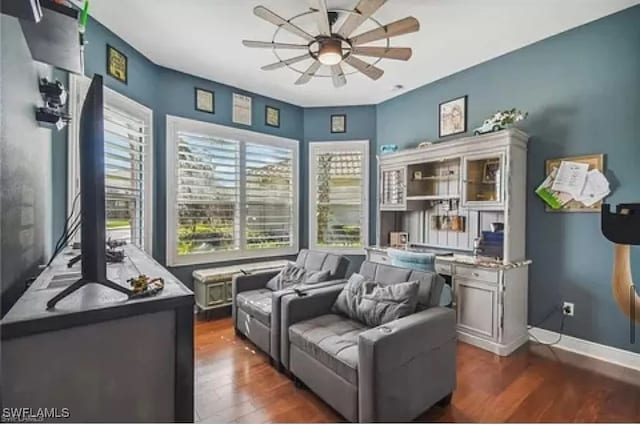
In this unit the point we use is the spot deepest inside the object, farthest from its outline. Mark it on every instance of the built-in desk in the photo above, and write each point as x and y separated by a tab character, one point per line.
490	298
103	357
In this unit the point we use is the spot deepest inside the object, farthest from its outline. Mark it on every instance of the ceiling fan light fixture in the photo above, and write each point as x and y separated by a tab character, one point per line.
330	52
330	49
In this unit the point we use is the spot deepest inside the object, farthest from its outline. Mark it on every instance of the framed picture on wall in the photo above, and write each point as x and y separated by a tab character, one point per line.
452	117
272	116
241	113
204	100
339	123
116	64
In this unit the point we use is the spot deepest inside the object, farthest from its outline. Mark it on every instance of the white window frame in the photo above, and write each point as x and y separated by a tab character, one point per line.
176	124
78	86
316	148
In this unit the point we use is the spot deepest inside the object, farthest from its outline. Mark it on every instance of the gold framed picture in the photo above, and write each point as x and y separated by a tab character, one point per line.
116	64
272	116
490	172
205	100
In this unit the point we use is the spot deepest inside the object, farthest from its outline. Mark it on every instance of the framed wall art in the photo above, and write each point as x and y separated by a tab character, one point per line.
241	113
116	64
452	117
339	123
204	100
272	116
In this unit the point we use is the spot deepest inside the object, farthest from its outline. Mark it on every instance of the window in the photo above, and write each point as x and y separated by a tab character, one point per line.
128	166
231	193
338	196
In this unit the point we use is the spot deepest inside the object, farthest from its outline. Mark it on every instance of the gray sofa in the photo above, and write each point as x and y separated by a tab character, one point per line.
390	373
256	309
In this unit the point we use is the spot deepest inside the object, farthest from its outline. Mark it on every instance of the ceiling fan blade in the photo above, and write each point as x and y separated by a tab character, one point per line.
337	75
363	10
367	69
269	16
399	53
309	73
403	26
269	45
323	17
284	63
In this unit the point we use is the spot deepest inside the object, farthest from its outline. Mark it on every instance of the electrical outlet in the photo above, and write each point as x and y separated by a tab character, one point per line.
567	309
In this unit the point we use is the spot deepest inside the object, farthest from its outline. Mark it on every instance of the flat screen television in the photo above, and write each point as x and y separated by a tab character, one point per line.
92	195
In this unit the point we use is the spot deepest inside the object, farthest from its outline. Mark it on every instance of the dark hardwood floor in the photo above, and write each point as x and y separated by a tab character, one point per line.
235	383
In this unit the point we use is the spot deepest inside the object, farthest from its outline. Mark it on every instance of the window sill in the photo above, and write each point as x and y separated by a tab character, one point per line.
226	257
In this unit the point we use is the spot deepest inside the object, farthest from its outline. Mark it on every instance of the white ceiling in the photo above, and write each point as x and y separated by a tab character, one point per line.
203	38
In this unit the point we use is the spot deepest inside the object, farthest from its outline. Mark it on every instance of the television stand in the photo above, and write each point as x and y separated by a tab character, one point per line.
82	282
105	357
111	256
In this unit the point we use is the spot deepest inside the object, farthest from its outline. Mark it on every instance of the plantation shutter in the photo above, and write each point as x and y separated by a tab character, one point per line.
126	139
339	199
269	197
208	189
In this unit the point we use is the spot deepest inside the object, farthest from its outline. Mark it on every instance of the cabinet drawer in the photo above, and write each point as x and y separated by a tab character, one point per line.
379	257
443	268
490	276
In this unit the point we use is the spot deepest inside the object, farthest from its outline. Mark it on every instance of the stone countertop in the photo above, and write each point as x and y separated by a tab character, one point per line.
482	262
93	299
425	249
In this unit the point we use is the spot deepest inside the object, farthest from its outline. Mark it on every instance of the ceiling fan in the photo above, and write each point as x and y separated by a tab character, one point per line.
333	46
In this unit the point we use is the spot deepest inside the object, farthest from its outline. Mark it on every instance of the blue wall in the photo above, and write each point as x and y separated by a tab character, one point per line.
166	92
582	90
583	93
176	97
361	125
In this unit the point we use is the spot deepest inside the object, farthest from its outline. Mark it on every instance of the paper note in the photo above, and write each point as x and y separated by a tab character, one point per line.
571	178
554	199
595	188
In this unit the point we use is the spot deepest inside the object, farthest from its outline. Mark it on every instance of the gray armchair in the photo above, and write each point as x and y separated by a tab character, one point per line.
390	373
256	309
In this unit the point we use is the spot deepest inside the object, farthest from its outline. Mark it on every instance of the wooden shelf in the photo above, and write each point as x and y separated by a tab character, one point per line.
55	40
438	178
432	197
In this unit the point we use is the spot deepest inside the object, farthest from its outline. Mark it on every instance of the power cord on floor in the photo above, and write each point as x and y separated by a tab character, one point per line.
549	345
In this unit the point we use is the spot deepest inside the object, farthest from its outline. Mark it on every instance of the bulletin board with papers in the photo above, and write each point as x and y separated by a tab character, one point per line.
574	184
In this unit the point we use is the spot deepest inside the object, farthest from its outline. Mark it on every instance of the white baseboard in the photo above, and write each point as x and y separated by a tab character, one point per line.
605	353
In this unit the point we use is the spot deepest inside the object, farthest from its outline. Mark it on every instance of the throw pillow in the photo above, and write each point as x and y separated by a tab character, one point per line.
316	276
289	275
348	298
375	304
382	304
